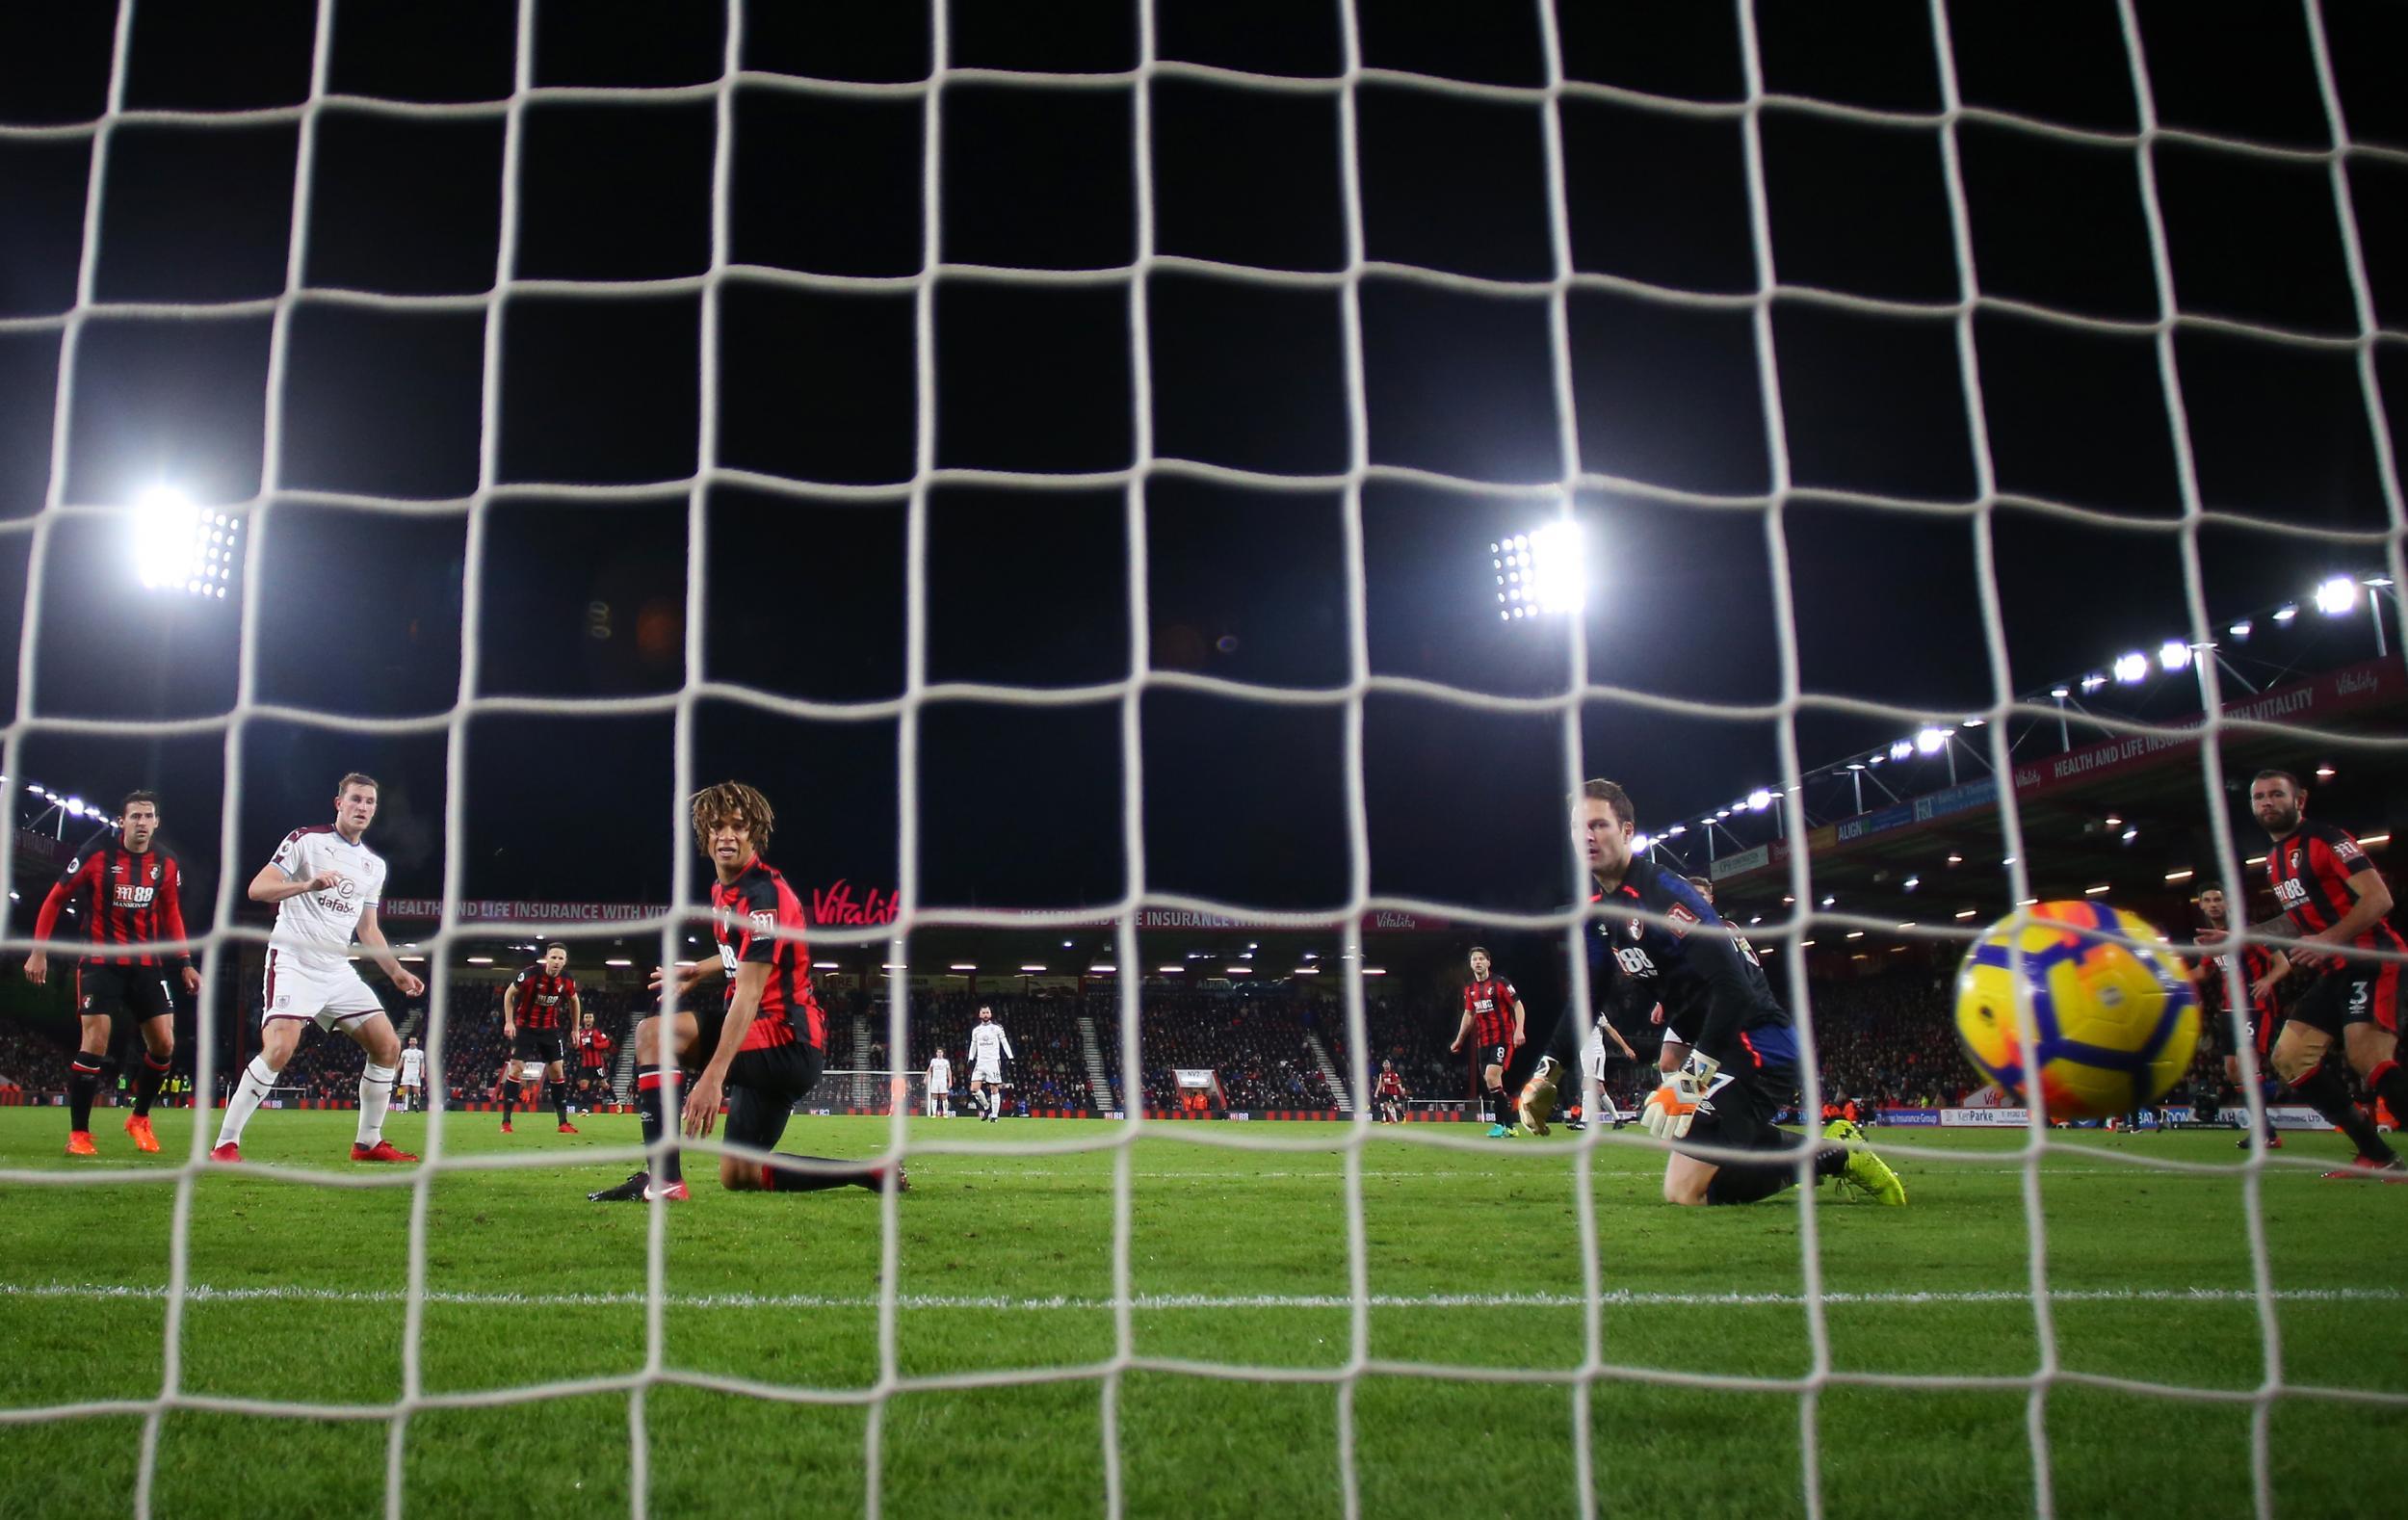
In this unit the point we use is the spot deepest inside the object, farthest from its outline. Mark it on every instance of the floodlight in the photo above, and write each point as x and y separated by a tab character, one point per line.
2173	654
2093	681
2241	630
2132	668
1759	799
167	538
1902	750
1640	843
1912	882
2337	597
2286	613
1931	740
2377	580
2060	692
1676	831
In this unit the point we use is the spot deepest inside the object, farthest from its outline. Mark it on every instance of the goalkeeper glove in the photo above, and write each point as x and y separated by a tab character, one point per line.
1538	1096
1673	1107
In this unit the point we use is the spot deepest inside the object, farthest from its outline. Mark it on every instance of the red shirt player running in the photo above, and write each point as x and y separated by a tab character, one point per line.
128	893
761	1044
2334	902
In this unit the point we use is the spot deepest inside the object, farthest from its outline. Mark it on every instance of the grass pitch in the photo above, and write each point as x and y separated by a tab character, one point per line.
1238	1259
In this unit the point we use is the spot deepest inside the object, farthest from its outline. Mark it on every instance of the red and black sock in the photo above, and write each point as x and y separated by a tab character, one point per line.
82	1083
648	1113
2325	1093
777	1178
147	1085
2389	1082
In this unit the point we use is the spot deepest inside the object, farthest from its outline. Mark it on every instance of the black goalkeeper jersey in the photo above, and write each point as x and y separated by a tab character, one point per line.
1705	974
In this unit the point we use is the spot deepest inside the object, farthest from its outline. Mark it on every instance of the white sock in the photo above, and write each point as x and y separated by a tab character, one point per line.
257	1078
375	1090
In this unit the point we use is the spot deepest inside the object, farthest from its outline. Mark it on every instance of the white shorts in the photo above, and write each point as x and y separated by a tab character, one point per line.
984	1072
328	997
1594	1055
533	1070
413	1082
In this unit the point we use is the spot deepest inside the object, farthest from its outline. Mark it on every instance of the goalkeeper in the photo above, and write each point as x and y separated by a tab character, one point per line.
1741	1068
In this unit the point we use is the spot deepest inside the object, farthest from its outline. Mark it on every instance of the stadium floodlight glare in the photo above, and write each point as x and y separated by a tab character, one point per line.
1722	812
1759	799
2060	692
1103	969
823	965
1912	882
1676	831
2326	773
963	965
1032	969
2337	596
74	807
2130	834
2241	629
1967	913
2173	654
1173	971
1974	722
1828	900
2093	681
2183	875
1931	740
2286	613
2376	581
1902	750
1545	568
2132	668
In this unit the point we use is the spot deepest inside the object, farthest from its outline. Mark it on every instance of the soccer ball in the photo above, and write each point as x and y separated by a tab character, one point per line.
2115	1016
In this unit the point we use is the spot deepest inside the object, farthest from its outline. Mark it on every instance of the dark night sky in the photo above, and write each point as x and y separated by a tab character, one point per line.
361	611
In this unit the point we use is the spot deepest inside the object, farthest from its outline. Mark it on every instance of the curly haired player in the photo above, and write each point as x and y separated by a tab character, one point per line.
763	1045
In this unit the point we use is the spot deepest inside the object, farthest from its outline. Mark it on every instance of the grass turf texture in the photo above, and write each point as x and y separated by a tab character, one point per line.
1006	1266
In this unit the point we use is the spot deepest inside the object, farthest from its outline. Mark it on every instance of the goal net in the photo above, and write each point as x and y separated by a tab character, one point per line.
1375	281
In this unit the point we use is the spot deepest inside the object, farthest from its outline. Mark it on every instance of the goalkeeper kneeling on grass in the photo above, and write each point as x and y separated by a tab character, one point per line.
1652	938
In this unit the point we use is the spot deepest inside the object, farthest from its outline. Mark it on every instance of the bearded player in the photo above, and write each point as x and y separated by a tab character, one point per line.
326	884
1494	1017
1741	1068
537	1011
761	1045
128	892
2333	901
989	1048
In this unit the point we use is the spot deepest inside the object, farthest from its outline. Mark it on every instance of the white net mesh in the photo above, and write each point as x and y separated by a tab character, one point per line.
659	1364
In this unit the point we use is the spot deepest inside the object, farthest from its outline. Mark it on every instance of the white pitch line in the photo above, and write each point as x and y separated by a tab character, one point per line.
1625	1299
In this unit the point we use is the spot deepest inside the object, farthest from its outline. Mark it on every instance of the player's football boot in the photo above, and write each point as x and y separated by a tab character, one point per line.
79	1143
567	1128
639	1189
2368	1169
1865	1169
137	1125
1538	1100
2272	1142
382	1150
229	1151
505	1128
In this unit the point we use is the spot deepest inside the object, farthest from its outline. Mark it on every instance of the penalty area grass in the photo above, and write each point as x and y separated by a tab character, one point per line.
1477	1311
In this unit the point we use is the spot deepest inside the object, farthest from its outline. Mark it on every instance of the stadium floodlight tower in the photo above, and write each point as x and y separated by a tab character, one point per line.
1539	573
178	546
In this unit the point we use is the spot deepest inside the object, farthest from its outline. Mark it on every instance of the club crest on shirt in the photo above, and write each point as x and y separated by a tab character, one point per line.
1638	931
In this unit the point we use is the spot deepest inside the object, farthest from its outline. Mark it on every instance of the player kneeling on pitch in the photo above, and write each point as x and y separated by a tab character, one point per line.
762	1045
1741	1068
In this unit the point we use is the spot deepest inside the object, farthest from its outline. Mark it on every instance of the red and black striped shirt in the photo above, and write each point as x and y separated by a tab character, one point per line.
540	1000
1490	1003
125	901
2311	867
759	919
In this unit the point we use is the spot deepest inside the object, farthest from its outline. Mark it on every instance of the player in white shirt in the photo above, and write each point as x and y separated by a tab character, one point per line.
989	1048
940	1096
413	1075
325	885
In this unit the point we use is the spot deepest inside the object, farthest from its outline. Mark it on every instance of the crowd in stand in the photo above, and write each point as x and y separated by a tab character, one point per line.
1884	1040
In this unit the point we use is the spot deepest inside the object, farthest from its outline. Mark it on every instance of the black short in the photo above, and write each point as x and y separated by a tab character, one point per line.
1740	1113
763	1085
537	1044
1499	1056
138	992
2352	993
